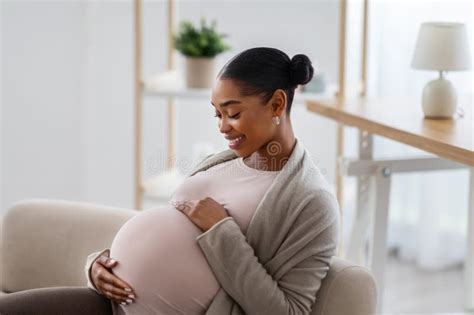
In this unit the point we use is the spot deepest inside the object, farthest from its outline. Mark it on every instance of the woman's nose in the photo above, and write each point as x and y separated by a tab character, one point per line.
224	126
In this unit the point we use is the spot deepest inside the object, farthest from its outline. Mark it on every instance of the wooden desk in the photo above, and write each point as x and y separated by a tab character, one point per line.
400	120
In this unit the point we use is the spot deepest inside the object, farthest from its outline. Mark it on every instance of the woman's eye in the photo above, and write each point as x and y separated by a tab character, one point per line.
233	116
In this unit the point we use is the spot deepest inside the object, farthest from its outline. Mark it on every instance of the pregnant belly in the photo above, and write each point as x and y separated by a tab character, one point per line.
159	257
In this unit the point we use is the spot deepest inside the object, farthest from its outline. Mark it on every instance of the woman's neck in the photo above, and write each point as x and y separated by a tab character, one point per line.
274	155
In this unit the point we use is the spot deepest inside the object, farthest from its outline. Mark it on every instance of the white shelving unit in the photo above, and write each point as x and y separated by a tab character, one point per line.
142	92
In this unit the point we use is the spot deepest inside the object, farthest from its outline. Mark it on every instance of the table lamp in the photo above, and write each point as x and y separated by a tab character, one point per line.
441	46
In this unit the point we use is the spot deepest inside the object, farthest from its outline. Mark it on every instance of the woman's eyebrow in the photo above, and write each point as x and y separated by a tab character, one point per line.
226	103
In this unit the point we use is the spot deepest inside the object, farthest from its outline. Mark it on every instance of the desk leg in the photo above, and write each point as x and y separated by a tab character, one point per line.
378	248
365	191
469	262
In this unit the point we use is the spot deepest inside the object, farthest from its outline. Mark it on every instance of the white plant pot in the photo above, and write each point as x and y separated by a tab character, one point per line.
199	72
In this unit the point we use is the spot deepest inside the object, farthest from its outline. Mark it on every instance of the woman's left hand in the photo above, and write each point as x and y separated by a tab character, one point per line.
204	212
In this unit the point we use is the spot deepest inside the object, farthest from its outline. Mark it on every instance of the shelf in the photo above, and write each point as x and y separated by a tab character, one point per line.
300	97
181	93
172	84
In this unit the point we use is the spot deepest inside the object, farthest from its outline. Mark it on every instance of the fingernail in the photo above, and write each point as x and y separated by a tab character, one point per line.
129	300
128	289
112	261
123	303
131	296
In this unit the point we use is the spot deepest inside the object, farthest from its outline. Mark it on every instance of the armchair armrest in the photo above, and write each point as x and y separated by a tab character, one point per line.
46	242
347	289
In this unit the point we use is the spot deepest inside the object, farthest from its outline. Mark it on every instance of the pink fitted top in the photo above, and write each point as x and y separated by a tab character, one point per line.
157	250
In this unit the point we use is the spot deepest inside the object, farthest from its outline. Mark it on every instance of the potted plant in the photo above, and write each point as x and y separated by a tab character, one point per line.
199	46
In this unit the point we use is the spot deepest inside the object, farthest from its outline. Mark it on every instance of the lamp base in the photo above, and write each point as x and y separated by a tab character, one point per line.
439	99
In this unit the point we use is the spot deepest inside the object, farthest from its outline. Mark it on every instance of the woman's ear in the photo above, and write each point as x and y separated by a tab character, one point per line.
278	102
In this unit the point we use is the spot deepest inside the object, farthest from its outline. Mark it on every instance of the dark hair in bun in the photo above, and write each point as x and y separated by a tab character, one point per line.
301	70
263	70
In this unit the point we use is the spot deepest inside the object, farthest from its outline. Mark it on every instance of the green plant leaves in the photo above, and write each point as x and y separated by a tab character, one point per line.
203	42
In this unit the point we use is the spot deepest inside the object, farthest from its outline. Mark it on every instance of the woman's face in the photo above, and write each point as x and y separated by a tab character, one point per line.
243	120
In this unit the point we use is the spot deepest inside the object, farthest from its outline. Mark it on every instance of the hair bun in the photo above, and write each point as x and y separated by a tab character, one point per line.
301	70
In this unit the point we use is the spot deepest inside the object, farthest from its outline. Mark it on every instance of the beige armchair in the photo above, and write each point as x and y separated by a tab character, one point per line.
46	242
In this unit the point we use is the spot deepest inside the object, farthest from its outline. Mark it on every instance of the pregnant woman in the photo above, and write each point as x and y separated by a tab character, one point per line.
250	231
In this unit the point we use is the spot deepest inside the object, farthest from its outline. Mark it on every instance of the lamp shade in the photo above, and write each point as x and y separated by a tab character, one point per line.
442	46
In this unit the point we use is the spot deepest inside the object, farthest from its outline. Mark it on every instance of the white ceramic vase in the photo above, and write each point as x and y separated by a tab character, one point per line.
439	99
199	72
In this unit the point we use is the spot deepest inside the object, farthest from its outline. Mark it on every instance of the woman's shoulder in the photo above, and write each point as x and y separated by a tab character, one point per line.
320	197
324	199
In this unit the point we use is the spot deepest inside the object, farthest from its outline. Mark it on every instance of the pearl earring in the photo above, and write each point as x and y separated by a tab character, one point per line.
276	120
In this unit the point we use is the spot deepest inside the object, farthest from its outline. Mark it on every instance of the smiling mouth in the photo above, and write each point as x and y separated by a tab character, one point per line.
236	143
236	140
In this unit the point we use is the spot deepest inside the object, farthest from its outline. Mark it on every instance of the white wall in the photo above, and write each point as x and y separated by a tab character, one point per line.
109	103
42	113
67	101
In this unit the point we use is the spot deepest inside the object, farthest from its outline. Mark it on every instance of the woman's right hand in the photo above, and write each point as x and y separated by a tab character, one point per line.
109	284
